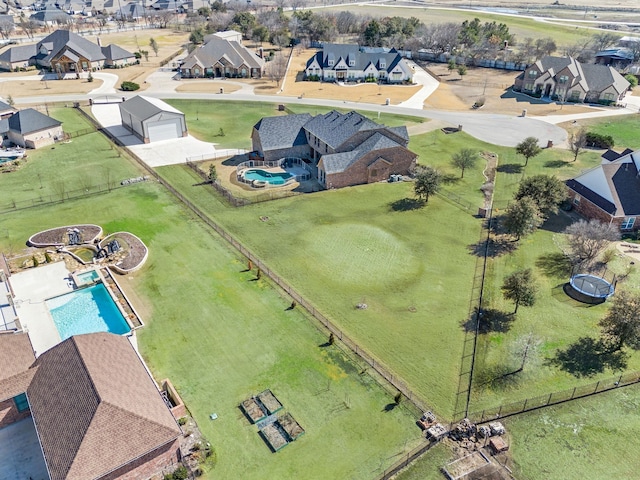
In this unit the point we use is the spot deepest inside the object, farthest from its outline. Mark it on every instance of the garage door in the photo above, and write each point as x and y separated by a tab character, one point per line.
163	131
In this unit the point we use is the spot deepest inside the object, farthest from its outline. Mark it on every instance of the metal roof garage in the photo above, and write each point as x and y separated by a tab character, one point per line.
151	119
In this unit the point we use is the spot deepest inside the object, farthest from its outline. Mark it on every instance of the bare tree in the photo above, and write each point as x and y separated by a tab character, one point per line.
28	26
6	28
588	239
164	17
276	69
604	40
60	188
577	142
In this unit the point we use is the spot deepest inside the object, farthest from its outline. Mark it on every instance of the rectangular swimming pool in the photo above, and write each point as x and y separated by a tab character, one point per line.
87	310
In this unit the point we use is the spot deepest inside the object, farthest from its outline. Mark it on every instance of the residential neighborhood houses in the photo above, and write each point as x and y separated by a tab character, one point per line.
380	246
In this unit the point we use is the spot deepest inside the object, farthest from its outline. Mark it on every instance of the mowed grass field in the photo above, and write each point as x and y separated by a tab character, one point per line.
344	247
221	337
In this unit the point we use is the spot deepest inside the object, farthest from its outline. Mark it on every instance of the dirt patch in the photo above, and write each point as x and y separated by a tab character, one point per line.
459	94
27	88
206	86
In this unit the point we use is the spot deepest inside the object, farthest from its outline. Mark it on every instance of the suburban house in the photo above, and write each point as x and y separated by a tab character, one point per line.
222	55
341	149
6	110
87	409
609	192
619	58
31	129
567	79
51	17
62	52
116	57
351	63
150	119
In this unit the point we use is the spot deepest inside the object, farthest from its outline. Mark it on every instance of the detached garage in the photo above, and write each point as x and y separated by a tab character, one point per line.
151	119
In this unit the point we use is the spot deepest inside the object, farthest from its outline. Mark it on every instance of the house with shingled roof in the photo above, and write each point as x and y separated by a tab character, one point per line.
341	149
221	56
97	412
350	63
609	192
31	129
567	79
61	52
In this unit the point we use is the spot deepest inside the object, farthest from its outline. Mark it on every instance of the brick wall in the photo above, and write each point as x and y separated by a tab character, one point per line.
401	160
162	460
588	210
9	413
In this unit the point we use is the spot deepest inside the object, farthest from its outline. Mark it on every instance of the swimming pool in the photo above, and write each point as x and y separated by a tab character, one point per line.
274	178
86	310
86	278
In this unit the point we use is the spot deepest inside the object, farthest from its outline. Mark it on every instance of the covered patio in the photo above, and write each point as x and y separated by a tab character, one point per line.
20	453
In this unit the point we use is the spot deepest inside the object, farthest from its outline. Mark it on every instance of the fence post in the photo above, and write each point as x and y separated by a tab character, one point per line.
574	392
549	399
597	385
524	407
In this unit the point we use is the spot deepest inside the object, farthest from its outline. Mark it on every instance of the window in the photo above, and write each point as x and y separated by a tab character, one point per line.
352	62
608	96
374	173
331	63
627	224
563	79
85	65
575	94
383	64
528	86
21	402
533	74
576	200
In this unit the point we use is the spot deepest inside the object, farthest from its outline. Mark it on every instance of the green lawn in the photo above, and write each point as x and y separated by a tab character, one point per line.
344	247
221	337
624	130
49	172
587	439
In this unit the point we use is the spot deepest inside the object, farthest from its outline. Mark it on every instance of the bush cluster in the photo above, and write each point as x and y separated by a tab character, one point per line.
597	140
129	86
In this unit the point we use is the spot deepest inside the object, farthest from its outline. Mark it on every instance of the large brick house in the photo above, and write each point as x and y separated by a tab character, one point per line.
31	129
343	148
63	52
222	56
567	79
349	63
609	192
97	412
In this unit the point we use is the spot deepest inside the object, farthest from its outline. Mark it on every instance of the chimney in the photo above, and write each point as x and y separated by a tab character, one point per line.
261	52
99	42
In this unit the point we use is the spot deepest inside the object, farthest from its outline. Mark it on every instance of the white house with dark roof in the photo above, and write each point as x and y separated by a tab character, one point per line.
343	148
570	80
31	129
609	192
349	63
221	57
150	119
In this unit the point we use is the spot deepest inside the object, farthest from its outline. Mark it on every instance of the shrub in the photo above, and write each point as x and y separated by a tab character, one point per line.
313	78
181	473
47	257
138	55
90	78
632	79
35	261
182	421
599	141
129	86
479	103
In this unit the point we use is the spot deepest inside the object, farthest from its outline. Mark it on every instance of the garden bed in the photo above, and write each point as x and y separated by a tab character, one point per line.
58	236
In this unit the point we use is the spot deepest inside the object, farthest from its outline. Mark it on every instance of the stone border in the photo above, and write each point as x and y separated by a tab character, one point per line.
131	263
33	242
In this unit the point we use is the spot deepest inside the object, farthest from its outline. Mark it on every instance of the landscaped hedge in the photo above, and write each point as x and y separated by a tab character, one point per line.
129	86
599	141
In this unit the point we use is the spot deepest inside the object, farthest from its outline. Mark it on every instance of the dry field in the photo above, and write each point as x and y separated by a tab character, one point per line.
459	94
28	88
206	86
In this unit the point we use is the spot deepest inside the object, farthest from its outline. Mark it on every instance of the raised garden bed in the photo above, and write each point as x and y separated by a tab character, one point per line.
270	402
58	237
253	409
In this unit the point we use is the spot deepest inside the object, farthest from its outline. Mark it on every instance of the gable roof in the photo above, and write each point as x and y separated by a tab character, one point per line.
339	162
57	41
216	48
282	132
114	52
143	107
50	15
614	187
16	354
95	407
21	53
353	56
334	128
30	120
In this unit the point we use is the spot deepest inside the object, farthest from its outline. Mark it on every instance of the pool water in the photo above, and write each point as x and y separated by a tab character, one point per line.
274	178
88	277
87	310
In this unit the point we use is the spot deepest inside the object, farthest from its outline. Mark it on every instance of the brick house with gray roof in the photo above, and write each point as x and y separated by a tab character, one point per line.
221	57
566	78
609	192
97	412
349	63
31	129
342	149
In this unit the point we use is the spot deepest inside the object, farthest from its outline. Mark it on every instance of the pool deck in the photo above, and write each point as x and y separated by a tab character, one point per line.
31	288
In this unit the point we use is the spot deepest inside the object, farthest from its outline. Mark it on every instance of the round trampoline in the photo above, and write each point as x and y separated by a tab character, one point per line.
592	288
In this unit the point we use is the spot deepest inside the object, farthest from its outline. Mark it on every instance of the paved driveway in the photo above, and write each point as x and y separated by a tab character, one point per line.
157	154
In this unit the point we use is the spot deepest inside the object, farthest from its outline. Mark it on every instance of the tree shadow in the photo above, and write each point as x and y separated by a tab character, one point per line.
510	168
587	357
406	204
556	163
389	407
557	223
493	247
491	320
554	265
449	178
497	377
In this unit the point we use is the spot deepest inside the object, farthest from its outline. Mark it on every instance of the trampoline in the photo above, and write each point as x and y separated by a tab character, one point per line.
591	288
